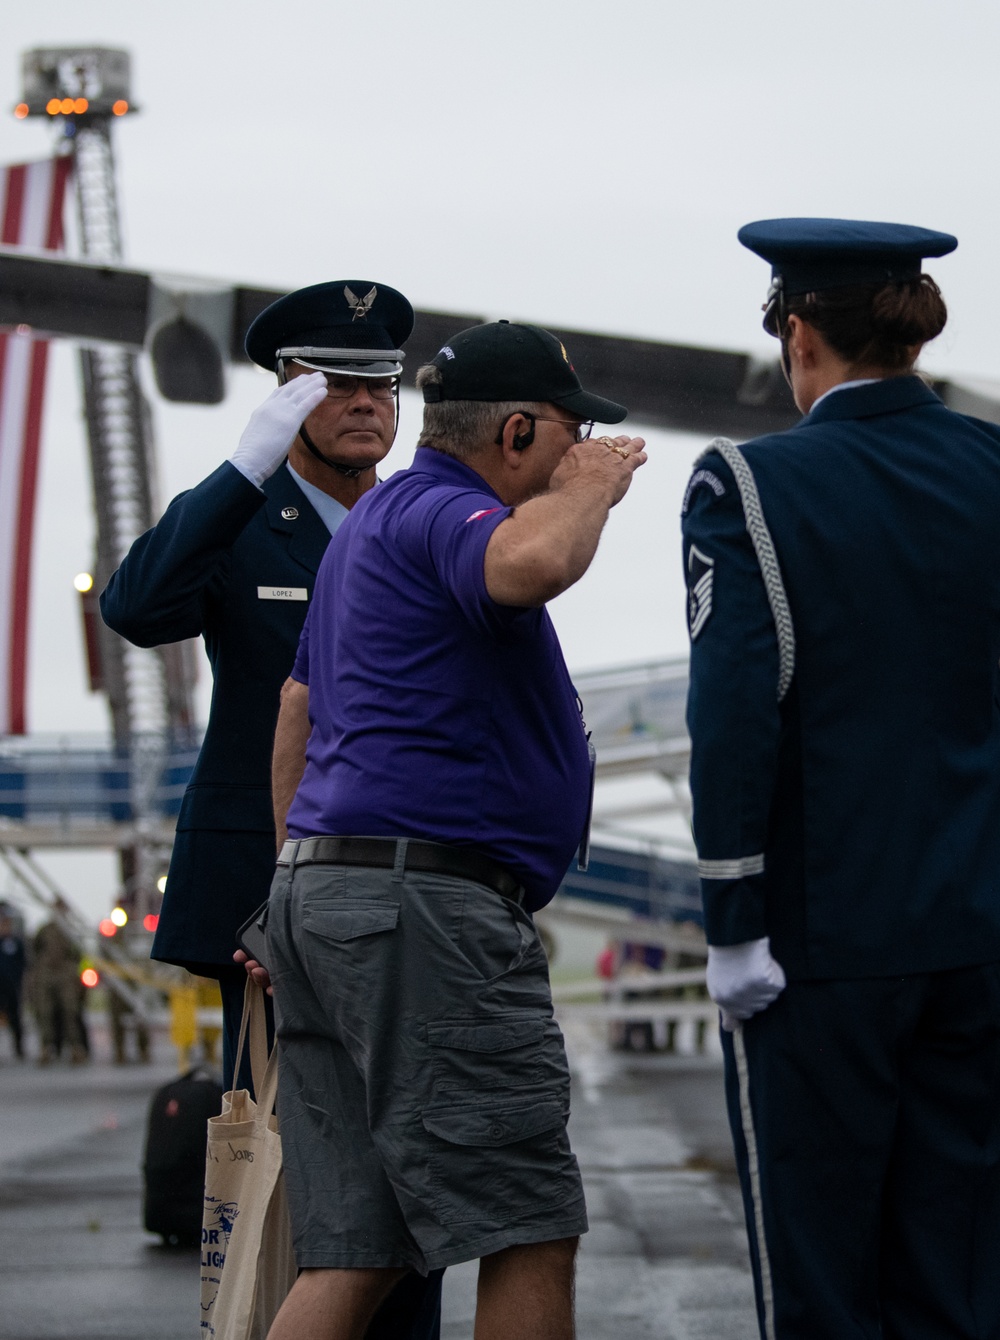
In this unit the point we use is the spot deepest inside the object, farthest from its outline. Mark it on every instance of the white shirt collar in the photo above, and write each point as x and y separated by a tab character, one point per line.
330	512
844	386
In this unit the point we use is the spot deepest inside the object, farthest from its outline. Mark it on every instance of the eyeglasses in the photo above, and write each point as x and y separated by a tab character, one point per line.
583	430
340	386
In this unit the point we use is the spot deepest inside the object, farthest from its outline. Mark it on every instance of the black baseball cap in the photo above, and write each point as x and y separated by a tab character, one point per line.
506	361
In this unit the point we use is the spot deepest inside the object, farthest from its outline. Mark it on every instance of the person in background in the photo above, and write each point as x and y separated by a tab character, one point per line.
12	968
122	1021
56	994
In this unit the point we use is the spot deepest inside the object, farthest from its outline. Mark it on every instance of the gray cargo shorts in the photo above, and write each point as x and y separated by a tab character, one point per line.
423	1087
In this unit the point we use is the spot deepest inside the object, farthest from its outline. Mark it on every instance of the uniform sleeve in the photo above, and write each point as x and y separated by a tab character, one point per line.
733	713
159	592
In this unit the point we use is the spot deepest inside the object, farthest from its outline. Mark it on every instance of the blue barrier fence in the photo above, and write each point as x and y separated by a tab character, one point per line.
75	780
640	882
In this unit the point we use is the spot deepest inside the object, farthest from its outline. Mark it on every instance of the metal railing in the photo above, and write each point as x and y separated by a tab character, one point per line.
636	717
71	779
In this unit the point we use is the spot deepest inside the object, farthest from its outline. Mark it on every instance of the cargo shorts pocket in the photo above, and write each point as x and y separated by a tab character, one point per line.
471	1055
349	918
493	1166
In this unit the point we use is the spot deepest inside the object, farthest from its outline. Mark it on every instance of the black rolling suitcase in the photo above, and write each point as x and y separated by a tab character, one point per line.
174	1162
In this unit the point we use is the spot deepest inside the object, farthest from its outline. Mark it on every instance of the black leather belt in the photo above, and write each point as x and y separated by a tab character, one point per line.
435	858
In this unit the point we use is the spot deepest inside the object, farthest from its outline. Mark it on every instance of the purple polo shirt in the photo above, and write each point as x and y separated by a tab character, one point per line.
437	713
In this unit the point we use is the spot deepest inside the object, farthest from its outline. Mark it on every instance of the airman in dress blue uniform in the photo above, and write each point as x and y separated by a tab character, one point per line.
844	710
234	560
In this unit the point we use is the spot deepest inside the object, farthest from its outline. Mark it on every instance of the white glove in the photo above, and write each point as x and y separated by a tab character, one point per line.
743	979
274	425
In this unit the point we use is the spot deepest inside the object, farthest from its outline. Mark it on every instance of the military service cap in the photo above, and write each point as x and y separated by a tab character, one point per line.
505	361
351	326
809	255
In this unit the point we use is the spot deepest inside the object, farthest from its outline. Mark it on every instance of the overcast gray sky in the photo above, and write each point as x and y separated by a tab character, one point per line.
564	161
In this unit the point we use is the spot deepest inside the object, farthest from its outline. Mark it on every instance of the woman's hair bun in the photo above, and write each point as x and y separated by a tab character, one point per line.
875	325
908	313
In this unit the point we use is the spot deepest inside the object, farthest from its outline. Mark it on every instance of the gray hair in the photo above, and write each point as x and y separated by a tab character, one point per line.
464	428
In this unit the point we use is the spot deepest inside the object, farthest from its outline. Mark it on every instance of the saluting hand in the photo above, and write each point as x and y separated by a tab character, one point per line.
604	461
274	424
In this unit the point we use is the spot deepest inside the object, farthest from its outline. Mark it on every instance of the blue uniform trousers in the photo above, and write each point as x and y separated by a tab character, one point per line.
874	1108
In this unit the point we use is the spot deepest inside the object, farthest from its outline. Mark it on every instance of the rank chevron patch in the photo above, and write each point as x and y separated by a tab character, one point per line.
701	570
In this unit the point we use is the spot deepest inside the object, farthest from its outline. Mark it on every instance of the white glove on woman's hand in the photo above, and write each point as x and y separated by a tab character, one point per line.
274	425
743	979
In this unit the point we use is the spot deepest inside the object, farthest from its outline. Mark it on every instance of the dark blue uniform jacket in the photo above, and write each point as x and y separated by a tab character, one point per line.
197	572
857	821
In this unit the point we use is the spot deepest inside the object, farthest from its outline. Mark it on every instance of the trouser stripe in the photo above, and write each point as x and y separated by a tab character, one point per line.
753	1164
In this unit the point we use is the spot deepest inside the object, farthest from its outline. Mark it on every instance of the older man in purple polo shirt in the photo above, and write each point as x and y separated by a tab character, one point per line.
424	1090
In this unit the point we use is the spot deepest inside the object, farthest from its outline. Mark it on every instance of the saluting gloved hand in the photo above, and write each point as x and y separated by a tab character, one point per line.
743	979
273	426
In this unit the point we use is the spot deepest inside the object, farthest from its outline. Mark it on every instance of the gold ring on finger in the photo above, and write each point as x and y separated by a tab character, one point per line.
609	442
623	452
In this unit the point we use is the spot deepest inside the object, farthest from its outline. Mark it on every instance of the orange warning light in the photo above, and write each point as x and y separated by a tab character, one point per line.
67	106
120	107
80	105
90	977
21	110
108	928
150	921
53	106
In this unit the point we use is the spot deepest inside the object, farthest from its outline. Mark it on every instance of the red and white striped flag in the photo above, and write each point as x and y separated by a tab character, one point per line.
31	215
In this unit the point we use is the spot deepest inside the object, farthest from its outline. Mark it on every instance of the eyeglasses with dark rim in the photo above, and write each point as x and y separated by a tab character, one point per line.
583	430
342	386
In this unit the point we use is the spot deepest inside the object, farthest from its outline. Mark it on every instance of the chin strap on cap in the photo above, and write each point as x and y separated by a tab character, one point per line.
350	471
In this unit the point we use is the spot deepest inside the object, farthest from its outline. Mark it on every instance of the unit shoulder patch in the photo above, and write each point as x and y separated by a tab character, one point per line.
700	574
702	477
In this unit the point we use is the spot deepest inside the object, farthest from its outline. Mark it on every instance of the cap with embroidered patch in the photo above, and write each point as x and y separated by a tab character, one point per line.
346	325
507	361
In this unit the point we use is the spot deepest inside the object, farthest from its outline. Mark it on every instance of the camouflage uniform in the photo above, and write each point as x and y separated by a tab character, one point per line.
56	993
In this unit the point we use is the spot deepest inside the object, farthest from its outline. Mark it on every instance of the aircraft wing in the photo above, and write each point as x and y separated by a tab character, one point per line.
186	321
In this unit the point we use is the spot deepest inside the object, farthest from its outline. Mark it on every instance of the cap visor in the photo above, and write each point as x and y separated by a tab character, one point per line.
352	368
592	407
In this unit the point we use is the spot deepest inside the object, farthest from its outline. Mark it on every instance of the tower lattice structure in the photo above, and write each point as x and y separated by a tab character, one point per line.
149	691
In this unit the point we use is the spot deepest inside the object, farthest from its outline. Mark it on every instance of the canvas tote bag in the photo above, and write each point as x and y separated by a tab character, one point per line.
247	1263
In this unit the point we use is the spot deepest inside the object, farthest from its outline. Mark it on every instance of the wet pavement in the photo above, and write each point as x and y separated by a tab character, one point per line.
666	1255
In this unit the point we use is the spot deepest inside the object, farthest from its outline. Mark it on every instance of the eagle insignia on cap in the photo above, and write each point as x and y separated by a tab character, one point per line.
360	306
566	356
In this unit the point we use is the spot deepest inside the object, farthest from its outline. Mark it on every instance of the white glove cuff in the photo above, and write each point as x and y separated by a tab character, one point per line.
245	470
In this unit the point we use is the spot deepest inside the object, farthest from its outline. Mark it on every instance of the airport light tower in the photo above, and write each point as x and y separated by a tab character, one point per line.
82	92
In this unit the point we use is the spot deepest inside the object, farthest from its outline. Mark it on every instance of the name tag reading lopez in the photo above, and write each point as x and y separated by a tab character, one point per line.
282	593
